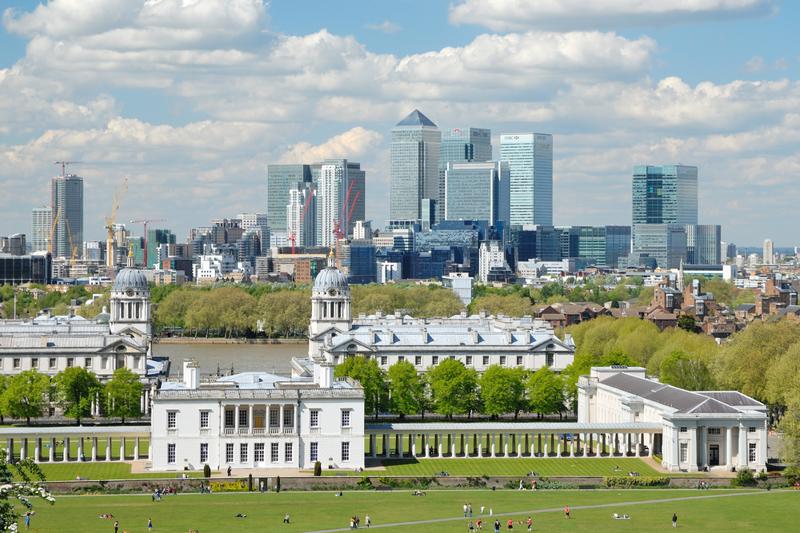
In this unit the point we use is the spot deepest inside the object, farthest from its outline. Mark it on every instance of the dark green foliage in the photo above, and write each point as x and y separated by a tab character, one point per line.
206	471
630	482
317	468
744	478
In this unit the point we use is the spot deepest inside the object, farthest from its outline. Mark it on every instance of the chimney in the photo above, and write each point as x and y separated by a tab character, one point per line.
191	374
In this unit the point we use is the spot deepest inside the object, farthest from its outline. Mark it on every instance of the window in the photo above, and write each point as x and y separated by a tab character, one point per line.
228	452
172	419
435	360
485	360
452	357
16	363
273	452
70	362
288	416
258	452
87	362
751	429
203	452
469	360
52	362
104	363
171	454
519	360
228	418
417	360
345	452
384	360
243	452
751	452
243	418
345	418
684	429
714	431
550	358
287	452
137	361
315	418
684	452
401	357
35	362
204	419
502	360
314	453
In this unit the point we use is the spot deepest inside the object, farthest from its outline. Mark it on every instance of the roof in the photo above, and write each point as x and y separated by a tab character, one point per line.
745	307
565	427
733	397
130	278
328	278
416	118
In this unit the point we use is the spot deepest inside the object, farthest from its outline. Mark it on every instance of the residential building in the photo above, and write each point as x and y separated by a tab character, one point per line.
66	194
42	219
491	256
414	167
256	222
477	191
665	194
362	229
530	163
301	215
768	256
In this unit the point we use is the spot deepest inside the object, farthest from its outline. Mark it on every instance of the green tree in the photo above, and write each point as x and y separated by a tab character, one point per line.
686	372
687	323
546	392
370	376
75	388
502	391
454	388
406	389
22	482
171	311
123	394
3	386
26	395
508	304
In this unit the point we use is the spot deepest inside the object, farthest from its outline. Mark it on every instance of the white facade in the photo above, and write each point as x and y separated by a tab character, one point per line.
461	284
708	430
490	255
211	267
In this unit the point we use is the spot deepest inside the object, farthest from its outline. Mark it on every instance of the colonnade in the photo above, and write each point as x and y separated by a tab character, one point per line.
471	444
54	445
259	419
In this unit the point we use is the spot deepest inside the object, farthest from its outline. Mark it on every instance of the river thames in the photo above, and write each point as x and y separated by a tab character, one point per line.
273	358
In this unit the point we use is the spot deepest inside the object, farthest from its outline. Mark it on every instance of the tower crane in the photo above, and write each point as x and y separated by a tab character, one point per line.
53	225
110	222
145	222
64	166
340	230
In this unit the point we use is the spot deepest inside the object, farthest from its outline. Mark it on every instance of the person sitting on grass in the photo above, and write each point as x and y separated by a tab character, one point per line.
240	515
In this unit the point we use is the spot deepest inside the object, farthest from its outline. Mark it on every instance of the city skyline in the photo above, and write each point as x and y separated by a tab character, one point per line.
715	87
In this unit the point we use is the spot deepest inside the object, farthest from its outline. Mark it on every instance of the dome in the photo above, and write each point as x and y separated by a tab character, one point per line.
330	278
130	278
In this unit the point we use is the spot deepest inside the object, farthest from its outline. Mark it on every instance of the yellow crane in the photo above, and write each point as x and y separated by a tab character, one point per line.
111	219
53	231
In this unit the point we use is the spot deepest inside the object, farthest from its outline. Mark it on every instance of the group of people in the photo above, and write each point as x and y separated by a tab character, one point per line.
355	521
159	492
478	524
116	524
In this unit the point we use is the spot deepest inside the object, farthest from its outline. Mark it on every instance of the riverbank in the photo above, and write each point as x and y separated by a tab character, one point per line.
223	340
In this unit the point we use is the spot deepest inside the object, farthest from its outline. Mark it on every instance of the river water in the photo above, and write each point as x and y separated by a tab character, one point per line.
273	358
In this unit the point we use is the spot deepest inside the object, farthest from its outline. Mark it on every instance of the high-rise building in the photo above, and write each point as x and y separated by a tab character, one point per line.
530	162
155	238
665	243
461	145
340	198
280	180
664	194
416	142
66	194
477	191
703	244
301	215
42	218
256	222
768	257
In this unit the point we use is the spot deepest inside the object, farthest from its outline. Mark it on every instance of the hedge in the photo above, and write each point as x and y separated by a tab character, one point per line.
628	482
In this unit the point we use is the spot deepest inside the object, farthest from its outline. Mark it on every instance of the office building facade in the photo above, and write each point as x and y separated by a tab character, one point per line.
665	243
415	149
462	145
530	162
665	194
703	244
280	180
66	194
341	199
41	220
477	191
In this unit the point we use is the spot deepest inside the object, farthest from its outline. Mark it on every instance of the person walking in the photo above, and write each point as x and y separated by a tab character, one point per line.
28	520
529	522
116	526
149	524
674	519
367	520
469	509
465	510
566	511
286	518
497	526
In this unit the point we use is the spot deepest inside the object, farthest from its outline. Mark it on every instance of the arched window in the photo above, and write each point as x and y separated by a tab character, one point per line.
130	310
324	310
550	357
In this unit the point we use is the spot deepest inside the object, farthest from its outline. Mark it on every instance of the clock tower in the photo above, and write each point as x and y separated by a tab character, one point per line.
331	312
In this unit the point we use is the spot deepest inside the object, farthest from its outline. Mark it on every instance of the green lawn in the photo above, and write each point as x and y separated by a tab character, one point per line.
99	471
548	467
313	511
87	448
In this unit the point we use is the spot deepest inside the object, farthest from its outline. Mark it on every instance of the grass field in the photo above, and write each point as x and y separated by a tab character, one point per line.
100	470
650	510
549	467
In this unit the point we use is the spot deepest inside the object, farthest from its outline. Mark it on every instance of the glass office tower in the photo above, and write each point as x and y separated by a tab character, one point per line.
414	168
530	161
462	145
280	180
66	193
477	191
665	194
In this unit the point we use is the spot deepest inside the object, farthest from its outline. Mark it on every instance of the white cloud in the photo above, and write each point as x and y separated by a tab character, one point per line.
520	15
387	26
351	144
754	64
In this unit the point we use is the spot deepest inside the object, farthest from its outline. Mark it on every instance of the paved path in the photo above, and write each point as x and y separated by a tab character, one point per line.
557	510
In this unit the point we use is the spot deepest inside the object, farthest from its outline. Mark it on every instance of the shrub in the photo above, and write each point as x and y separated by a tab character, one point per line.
206	471
628	482
744	478
278	484
317	469
762	476
792	474
365	483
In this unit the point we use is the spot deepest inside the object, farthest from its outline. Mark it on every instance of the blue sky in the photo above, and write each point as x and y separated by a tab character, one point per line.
192	98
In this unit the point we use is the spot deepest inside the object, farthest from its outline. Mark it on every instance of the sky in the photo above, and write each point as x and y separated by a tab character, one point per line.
191	99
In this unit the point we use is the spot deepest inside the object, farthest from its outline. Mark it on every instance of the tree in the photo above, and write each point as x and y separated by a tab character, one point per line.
76	387
370	376
26	395
546	392
686	372
123	394
687	323
3	387
406	389
20	482
454	388
502	390
508	304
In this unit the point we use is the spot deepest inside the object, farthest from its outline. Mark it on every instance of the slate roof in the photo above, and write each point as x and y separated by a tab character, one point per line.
416	118
733	397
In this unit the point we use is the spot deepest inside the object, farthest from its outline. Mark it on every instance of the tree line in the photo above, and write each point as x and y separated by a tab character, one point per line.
450	388
30	394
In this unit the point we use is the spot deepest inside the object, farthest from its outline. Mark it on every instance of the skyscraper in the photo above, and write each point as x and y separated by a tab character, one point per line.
665	194
703	244
461	145
341	190
416	142
280	180
768	257
301	214
257	222
66	194
530	161
42	218
477	191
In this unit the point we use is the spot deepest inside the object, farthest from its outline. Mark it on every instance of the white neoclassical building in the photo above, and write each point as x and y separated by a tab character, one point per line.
699	430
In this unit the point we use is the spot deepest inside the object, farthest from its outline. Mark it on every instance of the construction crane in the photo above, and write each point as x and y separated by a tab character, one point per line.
306	205
64	166
53	225
339	230
145	222
110	222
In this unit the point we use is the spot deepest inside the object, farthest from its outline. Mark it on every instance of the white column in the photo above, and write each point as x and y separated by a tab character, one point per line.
122	448
280	418
135	448
465	444
387	445
9	449
80	449
37	450
692	449
493	445
480	444
742	456
23	449
65	454
142	400
546	444
51	454
519	445
236	419
426	442
762	445
250	419
94	449
439	438
413	438
532	444
452	446
728	447
651	444
572	445
504	436
108	448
